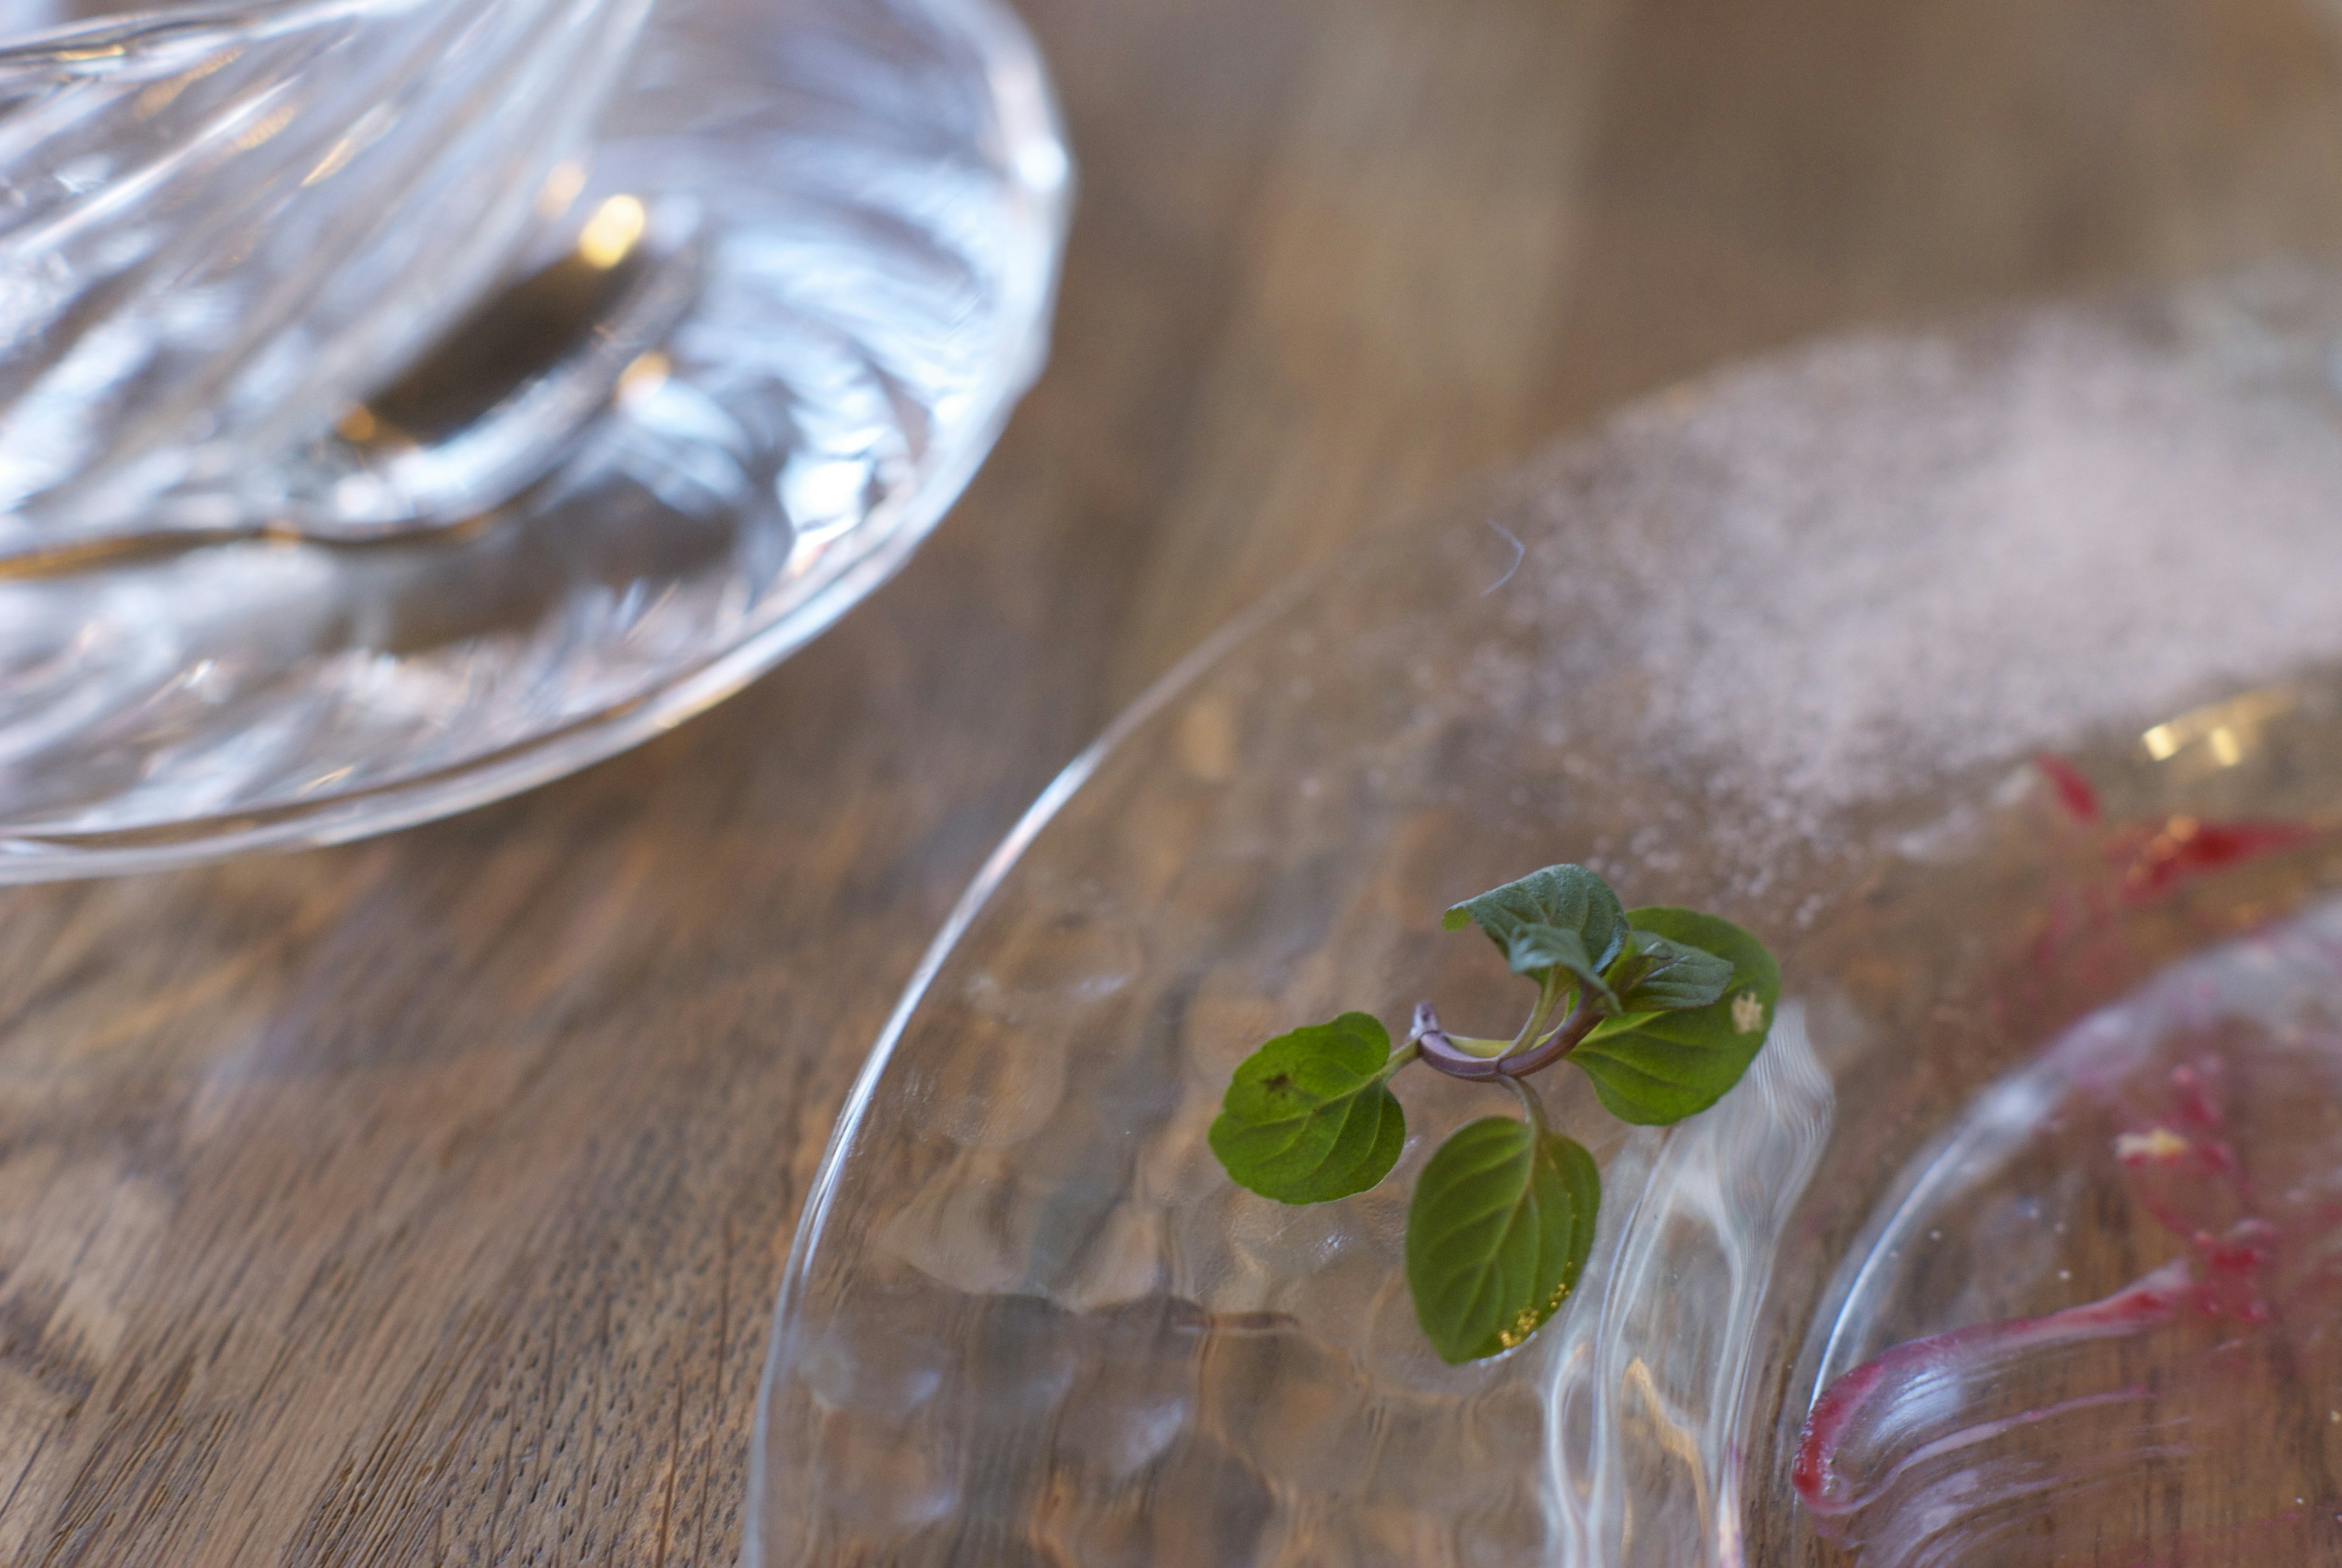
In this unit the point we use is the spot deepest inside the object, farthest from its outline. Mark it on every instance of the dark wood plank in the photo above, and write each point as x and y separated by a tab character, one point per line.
421	1201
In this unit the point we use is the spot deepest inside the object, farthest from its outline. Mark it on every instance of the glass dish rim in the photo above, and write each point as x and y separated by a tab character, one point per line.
822	1193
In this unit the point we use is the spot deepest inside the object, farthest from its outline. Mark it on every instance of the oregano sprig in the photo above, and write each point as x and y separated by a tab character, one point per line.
1663	1009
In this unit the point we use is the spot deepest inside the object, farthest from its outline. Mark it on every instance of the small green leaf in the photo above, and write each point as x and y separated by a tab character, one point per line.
1498	1234
1654	1068
1309	1116
1536	948
1531	920
1657	976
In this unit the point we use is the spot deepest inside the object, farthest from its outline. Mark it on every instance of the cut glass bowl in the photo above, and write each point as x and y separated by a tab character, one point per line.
404	402
1994	676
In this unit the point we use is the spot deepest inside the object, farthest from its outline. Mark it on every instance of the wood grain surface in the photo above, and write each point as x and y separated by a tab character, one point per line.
422	1201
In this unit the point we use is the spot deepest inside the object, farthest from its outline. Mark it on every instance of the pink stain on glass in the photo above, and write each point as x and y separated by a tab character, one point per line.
2008	1394
2074	792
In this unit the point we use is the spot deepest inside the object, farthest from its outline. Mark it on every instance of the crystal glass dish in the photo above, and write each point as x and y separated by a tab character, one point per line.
1992	675
403	402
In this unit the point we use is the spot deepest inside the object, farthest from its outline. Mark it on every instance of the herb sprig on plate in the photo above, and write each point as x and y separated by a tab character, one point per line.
1662	1008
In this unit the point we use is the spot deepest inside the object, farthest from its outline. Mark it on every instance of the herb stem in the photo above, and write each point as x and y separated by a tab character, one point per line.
1555	1046
1548	996
1428	1039
1443	1056
1531	1103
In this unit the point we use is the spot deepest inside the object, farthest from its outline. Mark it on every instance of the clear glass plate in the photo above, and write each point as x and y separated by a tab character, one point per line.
1994	675
848	214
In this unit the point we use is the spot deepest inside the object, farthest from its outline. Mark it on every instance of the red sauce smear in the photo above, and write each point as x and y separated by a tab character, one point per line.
2187	846
2142	1305
2178	847
2073	791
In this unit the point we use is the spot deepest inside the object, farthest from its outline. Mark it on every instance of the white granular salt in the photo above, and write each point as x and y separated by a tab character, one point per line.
1864	564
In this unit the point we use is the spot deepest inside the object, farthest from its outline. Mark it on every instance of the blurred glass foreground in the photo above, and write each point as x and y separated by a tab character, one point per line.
405	401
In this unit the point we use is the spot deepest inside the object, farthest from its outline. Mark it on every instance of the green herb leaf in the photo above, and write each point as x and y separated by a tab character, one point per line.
1654	1068
1534	921
1309	1117
1498	1234
1655	974
1536	948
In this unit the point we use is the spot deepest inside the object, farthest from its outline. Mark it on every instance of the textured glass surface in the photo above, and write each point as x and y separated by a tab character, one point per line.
1988	674
281	560
223	227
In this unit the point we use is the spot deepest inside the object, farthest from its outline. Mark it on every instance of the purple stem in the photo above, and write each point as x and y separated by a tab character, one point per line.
1437	1049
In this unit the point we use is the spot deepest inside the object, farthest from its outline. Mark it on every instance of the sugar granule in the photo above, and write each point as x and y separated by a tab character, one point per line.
1858	565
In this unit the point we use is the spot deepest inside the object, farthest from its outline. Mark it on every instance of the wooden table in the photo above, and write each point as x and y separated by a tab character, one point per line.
422	1201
